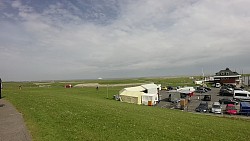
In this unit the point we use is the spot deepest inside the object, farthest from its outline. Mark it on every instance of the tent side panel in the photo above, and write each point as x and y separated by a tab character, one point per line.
149	97
136	99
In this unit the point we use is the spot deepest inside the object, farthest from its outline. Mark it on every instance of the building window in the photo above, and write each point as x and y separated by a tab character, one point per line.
222	73
227	73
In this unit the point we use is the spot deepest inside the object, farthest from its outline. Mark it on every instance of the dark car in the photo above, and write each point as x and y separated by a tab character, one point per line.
170	88
228	101
203	107
241	88
200	90
207	88
207	98
226	91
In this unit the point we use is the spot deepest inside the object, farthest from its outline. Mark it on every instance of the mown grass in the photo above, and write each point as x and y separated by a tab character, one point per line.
56	113
246	75
164	81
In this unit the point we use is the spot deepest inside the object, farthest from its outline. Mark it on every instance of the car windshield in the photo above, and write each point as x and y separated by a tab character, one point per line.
203	104
216	106
231	108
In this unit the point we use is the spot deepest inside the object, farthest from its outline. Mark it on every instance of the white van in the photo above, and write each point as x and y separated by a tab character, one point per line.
242	95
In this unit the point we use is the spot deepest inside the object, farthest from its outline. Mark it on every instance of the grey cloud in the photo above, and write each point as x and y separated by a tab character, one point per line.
138	38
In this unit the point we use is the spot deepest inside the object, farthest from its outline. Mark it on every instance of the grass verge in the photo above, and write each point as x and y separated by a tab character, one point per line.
57	113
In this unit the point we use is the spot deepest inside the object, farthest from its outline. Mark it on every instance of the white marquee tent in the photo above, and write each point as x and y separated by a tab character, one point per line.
151	88
132	94
140	94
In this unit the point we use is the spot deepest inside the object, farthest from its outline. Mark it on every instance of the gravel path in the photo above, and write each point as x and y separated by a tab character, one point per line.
12	126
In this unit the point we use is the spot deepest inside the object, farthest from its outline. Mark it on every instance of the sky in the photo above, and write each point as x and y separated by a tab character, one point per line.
89	39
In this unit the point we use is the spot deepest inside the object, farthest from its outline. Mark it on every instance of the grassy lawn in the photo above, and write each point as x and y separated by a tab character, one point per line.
59	114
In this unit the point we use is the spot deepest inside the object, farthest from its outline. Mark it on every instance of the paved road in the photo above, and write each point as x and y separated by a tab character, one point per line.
12	126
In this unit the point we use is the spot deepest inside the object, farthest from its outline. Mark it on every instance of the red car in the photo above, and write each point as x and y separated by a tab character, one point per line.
230	109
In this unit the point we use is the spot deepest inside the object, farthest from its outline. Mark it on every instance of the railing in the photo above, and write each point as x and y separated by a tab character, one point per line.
246	80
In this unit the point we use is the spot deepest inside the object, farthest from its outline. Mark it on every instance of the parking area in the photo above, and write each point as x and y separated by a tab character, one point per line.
194	101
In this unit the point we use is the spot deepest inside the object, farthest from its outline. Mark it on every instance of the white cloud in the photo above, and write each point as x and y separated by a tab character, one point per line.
146	38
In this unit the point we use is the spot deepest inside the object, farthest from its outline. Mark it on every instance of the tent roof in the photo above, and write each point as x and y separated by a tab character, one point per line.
135	89
149	86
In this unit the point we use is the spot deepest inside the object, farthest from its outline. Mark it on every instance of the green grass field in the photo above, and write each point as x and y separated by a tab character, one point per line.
58	114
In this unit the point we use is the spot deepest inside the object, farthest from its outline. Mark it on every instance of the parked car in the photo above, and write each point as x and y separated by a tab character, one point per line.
228	101
216	108
170	88
230	109
241	88
164	88
217	85
207	98
200	90
203	107
229	85
226	91
207	88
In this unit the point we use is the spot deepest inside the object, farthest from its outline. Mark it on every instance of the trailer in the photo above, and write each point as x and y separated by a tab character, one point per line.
174	96
245	108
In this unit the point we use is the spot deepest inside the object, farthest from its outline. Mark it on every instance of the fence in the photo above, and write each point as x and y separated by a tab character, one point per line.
246	80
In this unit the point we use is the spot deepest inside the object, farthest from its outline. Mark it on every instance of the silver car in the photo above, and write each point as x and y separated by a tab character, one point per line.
216	108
